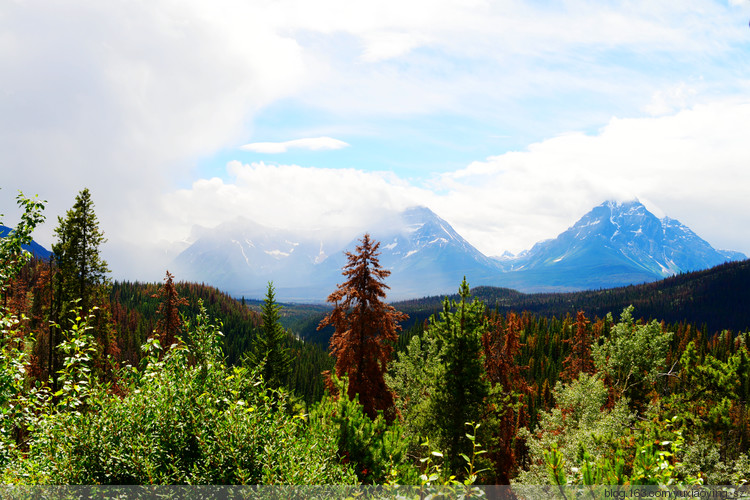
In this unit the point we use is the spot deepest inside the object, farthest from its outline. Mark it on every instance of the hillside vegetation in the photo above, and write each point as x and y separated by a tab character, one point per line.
178	383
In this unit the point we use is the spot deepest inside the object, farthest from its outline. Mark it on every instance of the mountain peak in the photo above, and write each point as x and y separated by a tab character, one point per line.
619	205
418	213
33	248
624	242
616	243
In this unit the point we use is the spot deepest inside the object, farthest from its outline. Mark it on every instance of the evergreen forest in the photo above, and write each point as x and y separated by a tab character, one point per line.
114	383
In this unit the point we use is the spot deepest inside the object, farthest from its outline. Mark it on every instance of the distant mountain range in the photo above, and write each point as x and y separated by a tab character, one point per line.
615	244
424	253
713	299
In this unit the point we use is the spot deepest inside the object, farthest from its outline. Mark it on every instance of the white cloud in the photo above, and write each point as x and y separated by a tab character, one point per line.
690	165
675	98
123	97
127	98
291	196
311	143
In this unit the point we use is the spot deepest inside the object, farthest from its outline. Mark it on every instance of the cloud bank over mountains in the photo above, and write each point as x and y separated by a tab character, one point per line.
684	163
507	118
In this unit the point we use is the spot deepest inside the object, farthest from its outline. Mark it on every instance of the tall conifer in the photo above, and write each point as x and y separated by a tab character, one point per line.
269	347
461	394
81	274
579	360
366	328
82	270
169	324
501	346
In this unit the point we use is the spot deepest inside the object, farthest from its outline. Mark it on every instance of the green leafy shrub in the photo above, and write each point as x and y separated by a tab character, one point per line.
376	449
577	424
186	419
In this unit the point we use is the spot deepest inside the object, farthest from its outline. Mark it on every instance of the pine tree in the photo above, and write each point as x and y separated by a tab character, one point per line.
366	328
501	345
269	347
579	360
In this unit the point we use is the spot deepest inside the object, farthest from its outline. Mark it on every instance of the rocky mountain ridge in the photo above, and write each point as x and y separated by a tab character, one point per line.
614	244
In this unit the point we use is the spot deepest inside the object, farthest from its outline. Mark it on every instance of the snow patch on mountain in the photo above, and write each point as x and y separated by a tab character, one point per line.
614	244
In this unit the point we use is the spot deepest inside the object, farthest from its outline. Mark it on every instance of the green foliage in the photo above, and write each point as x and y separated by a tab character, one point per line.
710	381
186	419
461	387
81	268
75	376
632	355
434	474
414	377
269	348
12	254
16	402
13	399
578	422
134	308
652	461
376	449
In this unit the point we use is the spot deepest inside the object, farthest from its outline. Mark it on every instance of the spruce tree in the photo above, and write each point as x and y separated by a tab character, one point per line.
270	347
501	345
81	269
169	324
80	279
461	394
366	328
579	360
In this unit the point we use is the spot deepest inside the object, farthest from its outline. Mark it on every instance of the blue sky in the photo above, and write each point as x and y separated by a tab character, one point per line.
509	119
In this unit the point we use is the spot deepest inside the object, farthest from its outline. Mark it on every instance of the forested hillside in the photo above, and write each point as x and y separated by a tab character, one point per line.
714	298
176	383
134	310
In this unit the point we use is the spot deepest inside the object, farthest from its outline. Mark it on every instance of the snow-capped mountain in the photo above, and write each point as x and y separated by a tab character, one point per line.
614	244
424	253
241	256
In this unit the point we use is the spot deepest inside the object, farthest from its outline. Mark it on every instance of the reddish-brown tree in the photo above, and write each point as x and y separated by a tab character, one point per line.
365	328
579	360
501	344
169	322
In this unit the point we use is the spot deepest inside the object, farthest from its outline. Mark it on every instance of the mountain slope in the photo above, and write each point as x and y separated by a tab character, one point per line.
241	257
717	297
424	253
34	248
614	244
